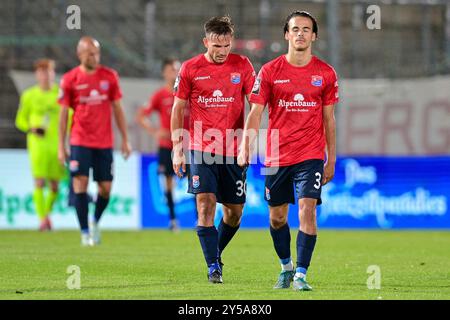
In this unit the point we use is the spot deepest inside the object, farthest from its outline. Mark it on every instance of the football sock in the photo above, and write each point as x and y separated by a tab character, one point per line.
49	201
282	241
208	240
171	205
286	264
225	234
82	208
38	198
305	248
100	206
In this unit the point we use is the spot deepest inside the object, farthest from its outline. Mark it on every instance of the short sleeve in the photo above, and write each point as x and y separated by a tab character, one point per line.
153	105
115	91
330	93
261	89
65	95
249	76
182	87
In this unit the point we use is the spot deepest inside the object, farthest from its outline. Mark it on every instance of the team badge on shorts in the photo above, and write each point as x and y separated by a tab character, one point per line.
195	181
267	193
73	165
235	78
104	85
316	81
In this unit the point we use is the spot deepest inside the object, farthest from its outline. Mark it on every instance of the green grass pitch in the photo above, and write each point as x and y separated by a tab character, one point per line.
157	264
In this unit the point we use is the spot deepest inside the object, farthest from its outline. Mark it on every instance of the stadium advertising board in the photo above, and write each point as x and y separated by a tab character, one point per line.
16	203
367	192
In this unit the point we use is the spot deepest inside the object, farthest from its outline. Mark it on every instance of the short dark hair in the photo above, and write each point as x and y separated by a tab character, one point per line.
301	14
167	62
219	26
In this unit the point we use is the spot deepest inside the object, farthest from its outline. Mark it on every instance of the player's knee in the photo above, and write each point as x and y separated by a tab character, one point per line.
80	184
104	193
104	190
277	221
54	188
232	215
307	210
206	204
39	183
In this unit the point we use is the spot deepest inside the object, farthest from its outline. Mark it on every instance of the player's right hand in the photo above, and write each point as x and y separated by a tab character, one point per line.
179	162
243	157
62	155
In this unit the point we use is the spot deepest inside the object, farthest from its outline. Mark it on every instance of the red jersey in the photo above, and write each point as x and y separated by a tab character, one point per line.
162	102
216	96
296	96
90	96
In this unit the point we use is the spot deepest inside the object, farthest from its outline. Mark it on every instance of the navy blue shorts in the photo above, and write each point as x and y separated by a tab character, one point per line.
82	159
301	180
165	165
225	178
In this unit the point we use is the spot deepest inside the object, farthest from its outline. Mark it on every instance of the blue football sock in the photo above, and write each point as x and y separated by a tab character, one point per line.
282	241
171	205
100	206
305	248
82	208
208	240
226	233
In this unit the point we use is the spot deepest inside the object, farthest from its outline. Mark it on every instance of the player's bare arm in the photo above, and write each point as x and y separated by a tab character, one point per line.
252	125
176	127
62	151
143	121
329	123
122	125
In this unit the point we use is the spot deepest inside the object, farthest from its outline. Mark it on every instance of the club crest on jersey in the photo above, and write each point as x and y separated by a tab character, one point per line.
316	81
195	181
235	78
73	165
104	85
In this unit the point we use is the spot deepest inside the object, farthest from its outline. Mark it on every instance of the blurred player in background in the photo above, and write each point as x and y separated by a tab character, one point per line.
215	84
162	102
93	92
38	116
301	91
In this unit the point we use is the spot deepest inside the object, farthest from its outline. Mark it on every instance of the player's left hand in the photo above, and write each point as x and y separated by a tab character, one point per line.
126	149
328	173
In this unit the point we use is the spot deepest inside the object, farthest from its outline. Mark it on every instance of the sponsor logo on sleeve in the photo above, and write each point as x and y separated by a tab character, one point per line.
257	86
177	83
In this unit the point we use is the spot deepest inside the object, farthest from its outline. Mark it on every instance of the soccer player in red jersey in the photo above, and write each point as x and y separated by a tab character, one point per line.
94	94
162	102
215	84
301	91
